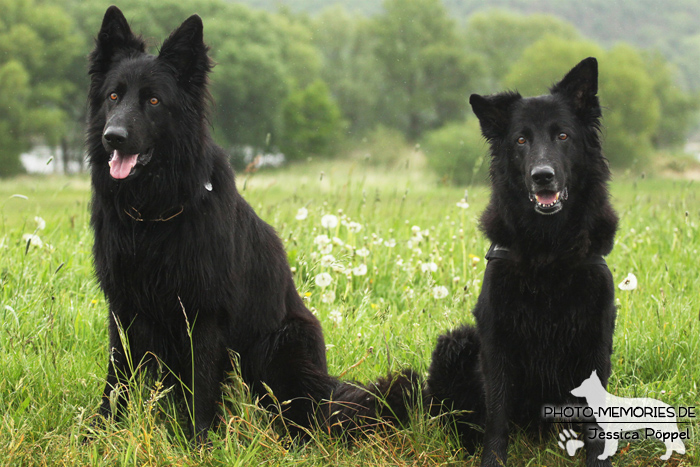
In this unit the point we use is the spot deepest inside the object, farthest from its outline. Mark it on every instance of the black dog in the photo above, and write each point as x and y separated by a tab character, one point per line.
189	271
545	316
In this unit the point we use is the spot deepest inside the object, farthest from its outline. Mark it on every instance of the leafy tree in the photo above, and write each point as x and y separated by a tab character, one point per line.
458	153
631	107
501	37
349	68
313	122
678	107
260	58
426	73
39	52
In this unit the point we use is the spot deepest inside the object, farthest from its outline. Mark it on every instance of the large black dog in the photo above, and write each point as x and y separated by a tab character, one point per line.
189	271
545	316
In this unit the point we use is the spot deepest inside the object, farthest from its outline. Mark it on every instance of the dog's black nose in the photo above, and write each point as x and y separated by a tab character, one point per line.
542	174
115	136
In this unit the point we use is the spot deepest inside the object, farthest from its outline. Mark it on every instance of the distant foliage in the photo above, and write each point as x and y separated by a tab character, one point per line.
383	146
426	72
501	37
39	53
313	123
631	104
458	153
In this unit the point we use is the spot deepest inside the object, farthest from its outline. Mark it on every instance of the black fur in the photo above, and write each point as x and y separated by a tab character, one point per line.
545	317
189	270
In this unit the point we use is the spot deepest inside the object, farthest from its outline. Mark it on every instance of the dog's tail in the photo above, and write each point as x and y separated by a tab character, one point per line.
455	384
358	407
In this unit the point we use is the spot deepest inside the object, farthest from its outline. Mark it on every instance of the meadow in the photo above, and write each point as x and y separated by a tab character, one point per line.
387	260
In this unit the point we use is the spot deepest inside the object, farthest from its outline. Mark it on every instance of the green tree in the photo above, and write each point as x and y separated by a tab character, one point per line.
501	36
313	125
631	108
39	53
260	59
458	153
678	107
426	72
346	44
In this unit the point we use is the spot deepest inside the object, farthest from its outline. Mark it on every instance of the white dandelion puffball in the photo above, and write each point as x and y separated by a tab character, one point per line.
33	240
302	214
364	252
360	270
428	267
323	280
40	223
354	227
327	260
440	292
336	316
328	297
462	204
329	221
629	283
322	240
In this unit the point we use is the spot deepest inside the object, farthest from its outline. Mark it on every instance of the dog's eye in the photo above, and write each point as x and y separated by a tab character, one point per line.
114	96
154	101
563	136
522	140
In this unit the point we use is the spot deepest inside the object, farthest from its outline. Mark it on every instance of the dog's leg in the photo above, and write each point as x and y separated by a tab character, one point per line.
203	385
597	448
292	363
118	371
496	432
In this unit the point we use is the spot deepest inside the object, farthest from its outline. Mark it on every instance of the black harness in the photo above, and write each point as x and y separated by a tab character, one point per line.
501	252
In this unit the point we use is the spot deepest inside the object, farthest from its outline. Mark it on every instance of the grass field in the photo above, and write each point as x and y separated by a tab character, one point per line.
406	265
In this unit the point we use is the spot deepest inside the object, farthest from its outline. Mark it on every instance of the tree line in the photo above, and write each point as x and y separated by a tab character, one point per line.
316	85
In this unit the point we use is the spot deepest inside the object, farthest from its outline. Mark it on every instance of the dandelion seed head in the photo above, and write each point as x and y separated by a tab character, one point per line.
336	316
328	296
462	204
329	221
628	283
33	240
360	270
302	214
354	227
323	279
440	292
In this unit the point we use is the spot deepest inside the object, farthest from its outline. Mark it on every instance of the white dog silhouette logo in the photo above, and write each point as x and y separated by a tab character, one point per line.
616	415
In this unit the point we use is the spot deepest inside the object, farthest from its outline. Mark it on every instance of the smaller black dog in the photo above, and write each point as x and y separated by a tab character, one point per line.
546	315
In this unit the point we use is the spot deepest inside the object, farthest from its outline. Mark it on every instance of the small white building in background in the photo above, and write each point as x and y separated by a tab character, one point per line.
46	160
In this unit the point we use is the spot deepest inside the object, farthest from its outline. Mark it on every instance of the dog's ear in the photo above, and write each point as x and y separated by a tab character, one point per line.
186	52
115	40
493	112
580	85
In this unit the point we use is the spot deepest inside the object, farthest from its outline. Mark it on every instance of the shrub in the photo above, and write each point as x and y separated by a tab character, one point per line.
458	153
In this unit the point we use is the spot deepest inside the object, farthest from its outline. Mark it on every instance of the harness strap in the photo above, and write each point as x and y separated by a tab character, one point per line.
501	252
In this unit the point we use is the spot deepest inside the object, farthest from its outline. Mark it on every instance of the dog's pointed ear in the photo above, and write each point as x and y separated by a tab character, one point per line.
580	85
493	112
186	52
114	40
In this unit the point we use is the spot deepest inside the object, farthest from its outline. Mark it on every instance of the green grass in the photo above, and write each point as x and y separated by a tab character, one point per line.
53	339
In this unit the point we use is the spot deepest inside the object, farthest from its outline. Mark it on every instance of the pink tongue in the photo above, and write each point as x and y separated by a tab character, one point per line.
121	164
546	197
